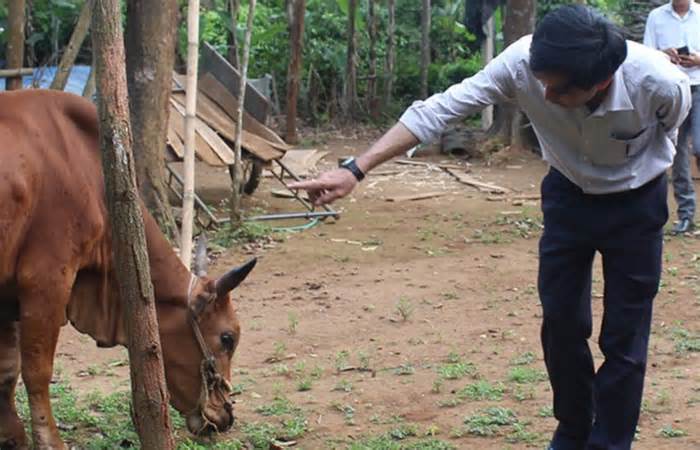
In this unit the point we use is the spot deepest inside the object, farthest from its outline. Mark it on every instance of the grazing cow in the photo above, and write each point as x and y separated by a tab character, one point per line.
56	266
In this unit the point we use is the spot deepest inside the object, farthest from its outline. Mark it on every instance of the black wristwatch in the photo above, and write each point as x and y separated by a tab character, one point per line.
351	165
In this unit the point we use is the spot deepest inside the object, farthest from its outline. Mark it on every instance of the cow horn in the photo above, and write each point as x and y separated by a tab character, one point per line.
234	277
200	256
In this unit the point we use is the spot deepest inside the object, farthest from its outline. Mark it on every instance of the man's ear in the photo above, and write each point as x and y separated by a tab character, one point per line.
603	85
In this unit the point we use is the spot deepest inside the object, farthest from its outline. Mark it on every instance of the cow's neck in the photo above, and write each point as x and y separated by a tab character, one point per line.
95	306
170	277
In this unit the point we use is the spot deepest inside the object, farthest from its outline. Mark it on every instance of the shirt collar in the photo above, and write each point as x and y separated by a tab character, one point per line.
692	9
618	99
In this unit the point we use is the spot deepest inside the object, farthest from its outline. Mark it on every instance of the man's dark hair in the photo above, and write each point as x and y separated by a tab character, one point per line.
577	42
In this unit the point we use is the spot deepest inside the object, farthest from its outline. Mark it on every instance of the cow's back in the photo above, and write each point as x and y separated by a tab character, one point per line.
51	188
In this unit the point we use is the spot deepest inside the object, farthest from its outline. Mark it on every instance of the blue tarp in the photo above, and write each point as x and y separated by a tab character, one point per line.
76	81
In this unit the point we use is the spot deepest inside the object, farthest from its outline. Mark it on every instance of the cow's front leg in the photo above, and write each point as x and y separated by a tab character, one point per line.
42	314
12	435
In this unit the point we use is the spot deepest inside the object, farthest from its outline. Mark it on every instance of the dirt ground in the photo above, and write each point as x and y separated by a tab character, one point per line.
385	316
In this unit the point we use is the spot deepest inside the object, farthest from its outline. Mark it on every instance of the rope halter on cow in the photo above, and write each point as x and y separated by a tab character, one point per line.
213	383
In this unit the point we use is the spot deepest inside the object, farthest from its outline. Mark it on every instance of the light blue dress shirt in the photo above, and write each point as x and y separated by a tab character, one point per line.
621	145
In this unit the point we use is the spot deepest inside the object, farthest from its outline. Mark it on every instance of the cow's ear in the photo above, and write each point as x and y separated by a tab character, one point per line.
200	256
233	278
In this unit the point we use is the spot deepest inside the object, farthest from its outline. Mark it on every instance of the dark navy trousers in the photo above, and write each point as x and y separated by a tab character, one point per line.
598	409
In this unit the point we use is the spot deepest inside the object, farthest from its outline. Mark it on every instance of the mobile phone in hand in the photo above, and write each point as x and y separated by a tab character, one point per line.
683	50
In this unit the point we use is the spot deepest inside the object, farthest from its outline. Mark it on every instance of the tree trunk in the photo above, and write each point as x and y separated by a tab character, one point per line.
390	53
233	6
295	13
424	48
519	20
190	120
150	57
236	192
73	47
150	395
15	41
372	99
350	99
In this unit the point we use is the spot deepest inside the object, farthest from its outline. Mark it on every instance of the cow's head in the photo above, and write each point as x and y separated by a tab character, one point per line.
197	349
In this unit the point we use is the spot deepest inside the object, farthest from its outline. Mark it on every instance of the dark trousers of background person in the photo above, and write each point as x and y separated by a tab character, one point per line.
688	139
598	410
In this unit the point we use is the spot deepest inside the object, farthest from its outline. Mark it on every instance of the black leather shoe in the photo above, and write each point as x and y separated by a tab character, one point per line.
683	226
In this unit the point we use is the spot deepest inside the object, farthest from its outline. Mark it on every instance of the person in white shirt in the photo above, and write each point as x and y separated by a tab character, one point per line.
674	28
603	109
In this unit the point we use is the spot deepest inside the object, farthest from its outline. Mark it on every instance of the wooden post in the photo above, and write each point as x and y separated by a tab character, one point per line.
487	50
73	47
190	120
350	100
295	13
424	48
149	392
372	103
15	41
390	53
236	191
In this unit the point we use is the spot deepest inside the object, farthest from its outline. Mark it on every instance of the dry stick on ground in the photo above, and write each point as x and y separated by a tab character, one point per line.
190	123
73	47
149	392
235	191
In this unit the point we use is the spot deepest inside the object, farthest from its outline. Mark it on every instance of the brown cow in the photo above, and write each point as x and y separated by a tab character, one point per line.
56	266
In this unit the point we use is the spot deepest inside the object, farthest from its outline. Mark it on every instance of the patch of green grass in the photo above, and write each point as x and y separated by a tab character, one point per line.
344	386
280	406
521	435
685	341
228	235
386	442
456	369
347	410
524	359
293	323
526	375
482	390
304	384
403	431
405	369
404	308
545	411
487	422
670	432
260	435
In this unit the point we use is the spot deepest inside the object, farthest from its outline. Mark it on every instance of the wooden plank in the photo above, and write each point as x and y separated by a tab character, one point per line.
217	92
213	116
9	73
175	142
222	150
481	186
423	196
212	62
202	149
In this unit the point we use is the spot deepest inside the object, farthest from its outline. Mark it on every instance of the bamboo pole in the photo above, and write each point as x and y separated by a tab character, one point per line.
190	118
73	47
236	191
8	73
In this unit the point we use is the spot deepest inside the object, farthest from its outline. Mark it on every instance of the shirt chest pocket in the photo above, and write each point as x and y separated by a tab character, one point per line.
618	148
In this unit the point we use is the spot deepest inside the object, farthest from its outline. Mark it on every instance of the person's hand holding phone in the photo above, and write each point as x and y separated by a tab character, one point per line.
673	54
